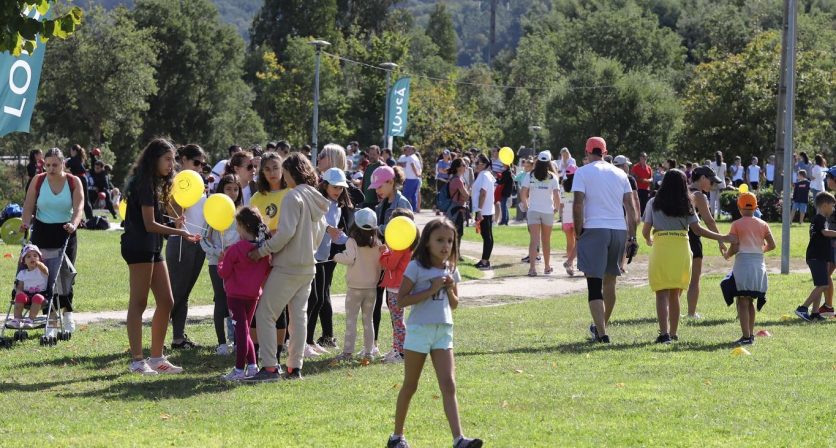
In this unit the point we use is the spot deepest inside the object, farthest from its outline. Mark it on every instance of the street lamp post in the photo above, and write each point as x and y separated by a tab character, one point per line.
389	67
534	130
319	45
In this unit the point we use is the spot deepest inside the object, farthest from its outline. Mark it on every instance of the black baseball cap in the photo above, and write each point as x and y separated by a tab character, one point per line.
701	171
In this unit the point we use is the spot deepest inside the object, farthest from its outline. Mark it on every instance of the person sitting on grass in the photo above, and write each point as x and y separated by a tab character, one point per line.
819	254
748	280
31	286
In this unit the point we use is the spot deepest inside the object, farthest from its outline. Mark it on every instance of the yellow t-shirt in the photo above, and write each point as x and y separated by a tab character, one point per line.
269	204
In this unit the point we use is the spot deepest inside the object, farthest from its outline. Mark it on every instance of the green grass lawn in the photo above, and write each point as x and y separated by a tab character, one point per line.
518	236
526	377
102	281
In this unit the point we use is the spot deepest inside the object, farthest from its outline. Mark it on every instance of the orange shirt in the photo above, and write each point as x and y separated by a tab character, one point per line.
751	234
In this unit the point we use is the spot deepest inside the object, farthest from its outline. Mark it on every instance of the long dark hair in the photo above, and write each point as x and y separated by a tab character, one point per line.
230	179
422	250
804	157
457	163
263	183
343	200
145	174
542	170
820	160
80	152
673	198
300	169
32	154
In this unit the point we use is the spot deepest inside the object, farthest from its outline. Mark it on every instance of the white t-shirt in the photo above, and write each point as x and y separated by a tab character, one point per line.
567	203
33	281
195	222
817	178
540	197
484	182
604	187
217	173
408	169
770	172
754	173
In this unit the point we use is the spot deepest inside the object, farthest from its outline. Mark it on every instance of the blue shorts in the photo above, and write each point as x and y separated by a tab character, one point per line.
800	206
424	338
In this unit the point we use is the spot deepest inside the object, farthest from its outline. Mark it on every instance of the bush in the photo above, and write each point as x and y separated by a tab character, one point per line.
769	202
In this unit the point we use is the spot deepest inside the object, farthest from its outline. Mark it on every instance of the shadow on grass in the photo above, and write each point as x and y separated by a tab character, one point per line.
567	348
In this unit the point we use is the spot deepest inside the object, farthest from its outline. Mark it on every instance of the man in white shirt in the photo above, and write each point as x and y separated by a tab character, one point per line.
603	197
220	167
412	167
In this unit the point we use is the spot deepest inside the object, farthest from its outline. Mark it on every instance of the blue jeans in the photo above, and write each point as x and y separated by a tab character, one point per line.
503	206
411	190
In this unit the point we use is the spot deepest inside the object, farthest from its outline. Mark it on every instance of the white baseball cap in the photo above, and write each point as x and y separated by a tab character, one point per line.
335	177
365	218
544	156
621	161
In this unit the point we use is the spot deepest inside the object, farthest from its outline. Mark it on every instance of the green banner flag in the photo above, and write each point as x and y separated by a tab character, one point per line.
398	108
19	80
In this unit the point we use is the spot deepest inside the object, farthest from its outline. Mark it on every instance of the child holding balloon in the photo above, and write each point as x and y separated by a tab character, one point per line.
394	264
213	244
362	253
429	287
243	279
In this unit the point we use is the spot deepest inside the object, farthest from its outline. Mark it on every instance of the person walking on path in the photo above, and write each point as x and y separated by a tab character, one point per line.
602	194
413	169
644	178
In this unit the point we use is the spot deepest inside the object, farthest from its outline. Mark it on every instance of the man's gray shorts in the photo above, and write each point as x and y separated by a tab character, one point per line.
600	252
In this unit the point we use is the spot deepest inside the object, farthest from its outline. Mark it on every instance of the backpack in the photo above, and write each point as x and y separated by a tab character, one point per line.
39	181
11	211
97	223
443	201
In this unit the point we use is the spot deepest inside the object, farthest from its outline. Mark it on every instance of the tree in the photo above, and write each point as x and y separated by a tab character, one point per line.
96	85
368	15
19	31
280	20
200	68
440	29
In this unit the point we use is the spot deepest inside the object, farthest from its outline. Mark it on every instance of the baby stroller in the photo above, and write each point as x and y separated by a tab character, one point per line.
60	282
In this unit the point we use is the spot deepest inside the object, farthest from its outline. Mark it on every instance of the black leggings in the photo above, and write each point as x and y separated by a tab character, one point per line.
457	216
88	209
183	270
221	311
486	229
316	299
326	313
378	308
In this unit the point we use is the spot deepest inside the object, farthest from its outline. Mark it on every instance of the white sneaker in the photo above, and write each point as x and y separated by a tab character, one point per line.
69	323
142	368
375	353
27	323
310	352
320	349
393	357
235	375
222	350
14	323
250	371
161	365
695	316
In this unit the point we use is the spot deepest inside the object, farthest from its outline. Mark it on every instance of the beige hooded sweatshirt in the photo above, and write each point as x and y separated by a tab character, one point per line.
301	228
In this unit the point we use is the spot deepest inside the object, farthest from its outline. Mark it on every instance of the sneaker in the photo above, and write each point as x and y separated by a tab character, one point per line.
816	317
593	332
310	352
674	338
235	375
695	316
344	357
186	343
375	353
328	342
393	358
464	442
223	350
803	313
142	368
745	341
826	311
320	349
250	371
605	339
264	376
162	365
569	269
663	338
15	324
68	321
293	374
484	266
397	442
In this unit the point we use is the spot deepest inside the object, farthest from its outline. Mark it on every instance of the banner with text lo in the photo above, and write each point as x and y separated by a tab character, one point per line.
19	80
398	108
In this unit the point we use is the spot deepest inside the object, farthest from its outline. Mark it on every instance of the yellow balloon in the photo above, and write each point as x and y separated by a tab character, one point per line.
188	188
123	209
506	155
219	211
400	233
744	188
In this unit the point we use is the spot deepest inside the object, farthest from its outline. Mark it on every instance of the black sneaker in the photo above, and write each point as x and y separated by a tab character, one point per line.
803	313
816	317
674	338
527	259
484	266
605	339
745	340
186	343
330	341
593	332
264	376
397	442
293	374
464	442
663	338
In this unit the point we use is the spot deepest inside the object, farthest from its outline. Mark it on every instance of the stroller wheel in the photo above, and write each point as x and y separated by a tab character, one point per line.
67	335
20	335
24	335
6	342
53	341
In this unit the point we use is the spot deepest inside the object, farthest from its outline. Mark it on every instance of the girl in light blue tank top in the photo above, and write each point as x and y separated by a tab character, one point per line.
54	208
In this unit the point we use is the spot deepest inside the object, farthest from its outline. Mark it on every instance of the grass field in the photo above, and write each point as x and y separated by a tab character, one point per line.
518	236
526	377
102	281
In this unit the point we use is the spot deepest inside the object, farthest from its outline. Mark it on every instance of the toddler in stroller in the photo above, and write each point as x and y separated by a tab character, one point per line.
31	287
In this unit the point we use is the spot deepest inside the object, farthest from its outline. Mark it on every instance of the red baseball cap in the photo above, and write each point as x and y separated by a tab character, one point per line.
596	142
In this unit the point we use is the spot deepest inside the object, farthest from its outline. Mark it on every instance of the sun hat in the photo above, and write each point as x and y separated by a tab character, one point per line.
621	161
747	201
381	175
335	177
596	143
30	248
544	156
365	218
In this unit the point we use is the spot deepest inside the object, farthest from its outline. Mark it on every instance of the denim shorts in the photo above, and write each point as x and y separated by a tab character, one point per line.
424	338
800	206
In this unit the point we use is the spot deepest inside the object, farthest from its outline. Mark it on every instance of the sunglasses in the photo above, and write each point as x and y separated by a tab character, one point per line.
248	167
